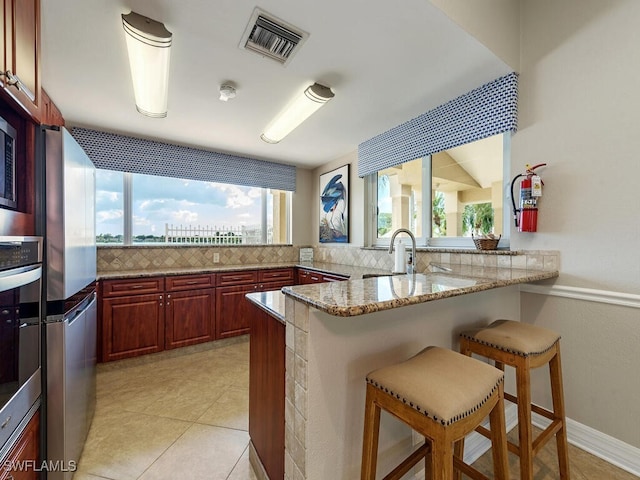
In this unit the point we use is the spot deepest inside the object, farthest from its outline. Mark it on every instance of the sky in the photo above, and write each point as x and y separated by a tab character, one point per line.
160	200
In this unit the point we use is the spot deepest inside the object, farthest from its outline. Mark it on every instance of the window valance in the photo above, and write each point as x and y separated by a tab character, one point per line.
128	154
480	113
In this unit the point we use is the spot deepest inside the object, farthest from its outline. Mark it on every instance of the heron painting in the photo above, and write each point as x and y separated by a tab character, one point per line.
334	206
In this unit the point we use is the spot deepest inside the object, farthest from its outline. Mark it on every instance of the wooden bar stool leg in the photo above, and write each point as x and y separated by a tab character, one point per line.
557	393
499	439
525	447
370	436
458	451
442	459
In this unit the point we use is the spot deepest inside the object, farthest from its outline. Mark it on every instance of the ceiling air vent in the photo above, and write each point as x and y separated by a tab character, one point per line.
271	37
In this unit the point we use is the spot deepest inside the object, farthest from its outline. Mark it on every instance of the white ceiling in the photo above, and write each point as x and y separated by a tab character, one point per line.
386	62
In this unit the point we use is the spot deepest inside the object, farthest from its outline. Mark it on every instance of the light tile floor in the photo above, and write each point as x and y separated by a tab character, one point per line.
183	414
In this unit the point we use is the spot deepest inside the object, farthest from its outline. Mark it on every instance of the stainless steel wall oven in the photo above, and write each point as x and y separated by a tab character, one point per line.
20	324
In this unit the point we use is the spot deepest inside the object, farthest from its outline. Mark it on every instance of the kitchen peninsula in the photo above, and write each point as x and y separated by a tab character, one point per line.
335	333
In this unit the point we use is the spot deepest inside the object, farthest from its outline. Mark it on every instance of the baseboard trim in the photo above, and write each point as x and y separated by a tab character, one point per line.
588	294
609	449
599	444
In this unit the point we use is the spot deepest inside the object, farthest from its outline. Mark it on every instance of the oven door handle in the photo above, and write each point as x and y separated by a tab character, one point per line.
18	277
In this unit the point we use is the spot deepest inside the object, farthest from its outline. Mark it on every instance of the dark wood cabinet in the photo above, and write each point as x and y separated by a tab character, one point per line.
149	314
132	325
25	453
51	115
305	277
190	317
232	310
266	390
333	278
21	55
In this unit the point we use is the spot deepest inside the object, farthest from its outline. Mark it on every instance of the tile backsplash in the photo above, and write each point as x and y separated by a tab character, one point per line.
113	259
118	258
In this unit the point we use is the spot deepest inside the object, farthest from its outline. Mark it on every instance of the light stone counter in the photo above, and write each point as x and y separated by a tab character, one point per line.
351	271
390	319
369	295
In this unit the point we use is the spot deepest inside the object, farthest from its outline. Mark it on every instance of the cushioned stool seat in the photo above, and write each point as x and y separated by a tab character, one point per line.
525	347
442	395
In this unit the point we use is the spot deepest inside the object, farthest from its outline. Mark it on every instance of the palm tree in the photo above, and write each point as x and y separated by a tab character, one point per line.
439	216
477	218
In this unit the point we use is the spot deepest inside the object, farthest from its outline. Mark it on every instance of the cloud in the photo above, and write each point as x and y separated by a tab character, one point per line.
238	197
108	216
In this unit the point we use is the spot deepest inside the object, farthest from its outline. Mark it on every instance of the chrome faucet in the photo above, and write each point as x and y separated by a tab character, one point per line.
411	269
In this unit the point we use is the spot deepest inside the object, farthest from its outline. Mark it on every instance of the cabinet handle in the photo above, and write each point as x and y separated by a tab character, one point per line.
5	312
15	81
135	287
192	282
169	295
6	422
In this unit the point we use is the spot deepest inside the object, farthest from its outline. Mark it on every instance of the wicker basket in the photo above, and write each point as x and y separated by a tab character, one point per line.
486	243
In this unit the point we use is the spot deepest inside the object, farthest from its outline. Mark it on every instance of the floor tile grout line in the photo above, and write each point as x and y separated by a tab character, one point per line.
238	461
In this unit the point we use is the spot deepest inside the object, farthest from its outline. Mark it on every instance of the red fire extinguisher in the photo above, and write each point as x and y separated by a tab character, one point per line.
526	216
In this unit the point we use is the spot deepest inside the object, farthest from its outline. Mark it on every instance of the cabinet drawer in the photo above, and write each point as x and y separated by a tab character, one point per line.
116	288
237	278
333	278
190	282
276	274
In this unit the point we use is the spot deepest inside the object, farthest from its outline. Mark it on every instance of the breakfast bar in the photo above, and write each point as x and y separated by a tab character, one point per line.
337	332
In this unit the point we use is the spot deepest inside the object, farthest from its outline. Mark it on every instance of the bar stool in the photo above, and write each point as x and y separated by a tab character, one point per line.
525	347
442	395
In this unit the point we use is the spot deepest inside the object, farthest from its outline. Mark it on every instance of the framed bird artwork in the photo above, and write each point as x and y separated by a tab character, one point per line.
334	206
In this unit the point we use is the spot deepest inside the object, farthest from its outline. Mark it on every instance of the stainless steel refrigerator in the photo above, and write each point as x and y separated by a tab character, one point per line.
71	312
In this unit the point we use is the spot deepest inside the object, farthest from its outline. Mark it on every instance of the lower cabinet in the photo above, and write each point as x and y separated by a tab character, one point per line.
266	390
305	277
132	325
190	318
25	452
150	314
232	310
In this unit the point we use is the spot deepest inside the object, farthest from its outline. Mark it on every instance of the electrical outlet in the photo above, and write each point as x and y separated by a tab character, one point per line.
216	258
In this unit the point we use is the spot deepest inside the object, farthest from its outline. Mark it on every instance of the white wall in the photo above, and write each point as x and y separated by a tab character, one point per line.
495	23
302	205
579	112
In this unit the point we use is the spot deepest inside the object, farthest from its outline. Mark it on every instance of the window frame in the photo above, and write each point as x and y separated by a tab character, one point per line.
127	216
427	240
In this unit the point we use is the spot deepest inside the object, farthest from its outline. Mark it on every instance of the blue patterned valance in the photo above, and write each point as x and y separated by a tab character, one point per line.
136	155
480	113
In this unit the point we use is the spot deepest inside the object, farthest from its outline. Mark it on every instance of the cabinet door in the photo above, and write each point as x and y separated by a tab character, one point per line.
232	310
132	326
25	450
22	53
266	390
190	317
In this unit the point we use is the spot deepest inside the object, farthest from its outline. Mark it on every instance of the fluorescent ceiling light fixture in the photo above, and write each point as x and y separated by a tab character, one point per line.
296	112
149	46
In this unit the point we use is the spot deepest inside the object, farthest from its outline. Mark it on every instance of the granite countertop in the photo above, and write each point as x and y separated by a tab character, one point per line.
350	271
271	302
358	297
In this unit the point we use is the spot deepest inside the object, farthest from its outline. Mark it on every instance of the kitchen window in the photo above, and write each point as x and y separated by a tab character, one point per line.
134	209
446	197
